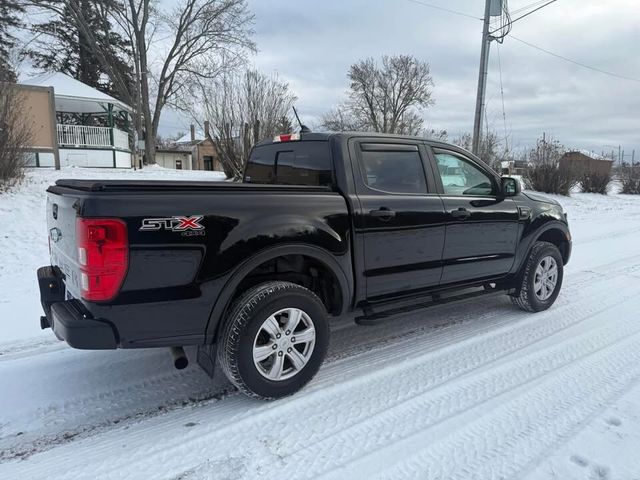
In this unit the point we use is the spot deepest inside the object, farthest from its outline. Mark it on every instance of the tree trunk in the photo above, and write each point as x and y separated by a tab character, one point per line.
150	131
88	70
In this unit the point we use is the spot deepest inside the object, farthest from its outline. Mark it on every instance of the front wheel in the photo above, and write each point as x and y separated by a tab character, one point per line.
541	279
274	340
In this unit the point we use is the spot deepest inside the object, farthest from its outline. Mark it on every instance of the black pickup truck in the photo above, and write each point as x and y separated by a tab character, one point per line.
323	225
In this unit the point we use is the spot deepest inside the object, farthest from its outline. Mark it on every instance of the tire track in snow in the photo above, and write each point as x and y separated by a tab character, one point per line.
74	420
426	410
416	377
27	348
504	442
433	368
136	400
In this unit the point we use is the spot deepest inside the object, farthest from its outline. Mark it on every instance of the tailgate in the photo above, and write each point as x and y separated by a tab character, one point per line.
61	227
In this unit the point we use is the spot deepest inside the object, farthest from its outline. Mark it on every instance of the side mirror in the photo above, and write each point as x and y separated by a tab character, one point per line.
510	186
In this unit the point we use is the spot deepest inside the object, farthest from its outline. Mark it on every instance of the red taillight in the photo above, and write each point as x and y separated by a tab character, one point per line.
103	255
287	137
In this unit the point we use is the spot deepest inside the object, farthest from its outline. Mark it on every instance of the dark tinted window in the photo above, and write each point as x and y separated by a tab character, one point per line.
393	171
291	163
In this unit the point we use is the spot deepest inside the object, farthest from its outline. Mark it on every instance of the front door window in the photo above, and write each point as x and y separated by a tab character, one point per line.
461	177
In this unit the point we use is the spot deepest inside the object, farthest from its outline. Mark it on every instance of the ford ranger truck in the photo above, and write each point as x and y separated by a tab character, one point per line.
363	225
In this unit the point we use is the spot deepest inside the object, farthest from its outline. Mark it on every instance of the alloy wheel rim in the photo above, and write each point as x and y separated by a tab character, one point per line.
546	278
284	344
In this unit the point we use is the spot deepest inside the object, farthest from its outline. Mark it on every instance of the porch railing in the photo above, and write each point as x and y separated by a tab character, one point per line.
86	136
120	139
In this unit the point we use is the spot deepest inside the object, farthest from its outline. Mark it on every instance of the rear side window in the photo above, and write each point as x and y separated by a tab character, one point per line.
291	163
393	171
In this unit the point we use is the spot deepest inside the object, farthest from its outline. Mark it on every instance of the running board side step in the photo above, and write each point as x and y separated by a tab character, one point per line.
372	316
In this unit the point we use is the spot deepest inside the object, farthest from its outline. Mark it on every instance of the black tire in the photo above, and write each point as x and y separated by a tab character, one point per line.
235	351
526	297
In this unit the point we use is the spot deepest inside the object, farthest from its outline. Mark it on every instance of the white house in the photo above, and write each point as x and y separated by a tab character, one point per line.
91	127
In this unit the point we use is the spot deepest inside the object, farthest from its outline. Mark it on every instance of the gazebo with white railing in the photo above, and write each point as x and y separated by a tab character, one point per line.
92	127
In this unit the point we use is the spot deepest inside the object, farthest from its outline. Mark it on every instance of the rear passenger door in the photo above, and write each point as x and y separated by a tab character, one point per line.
481	224
401	217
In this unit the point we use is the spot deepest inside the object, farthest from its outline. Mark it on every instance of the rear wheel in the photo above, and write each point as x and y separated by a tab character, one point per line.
541	279
275	340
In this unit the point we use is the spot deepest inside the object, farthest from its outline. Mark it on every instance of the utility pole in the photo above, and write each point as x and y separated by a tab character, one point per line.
482	79
619	154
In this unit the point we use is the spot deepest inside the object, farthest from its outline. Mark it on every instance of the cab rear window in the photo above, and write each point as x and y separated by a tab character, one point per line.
291	163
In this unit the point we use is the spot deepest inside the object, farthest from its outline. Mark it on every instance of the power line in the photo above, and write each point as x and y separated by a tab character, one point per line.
532	11
505	24
526	7
504	115
437	7
595	69
511	22
521	9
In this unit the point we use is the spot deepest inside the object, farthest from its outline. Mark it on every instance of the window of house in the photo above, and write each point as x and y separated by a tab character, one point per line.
461	177
178	164
208	162
393	171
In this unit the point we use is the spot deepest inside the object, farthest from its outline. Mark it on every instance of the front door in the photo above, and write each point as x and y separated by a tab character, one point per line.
401	217
481	225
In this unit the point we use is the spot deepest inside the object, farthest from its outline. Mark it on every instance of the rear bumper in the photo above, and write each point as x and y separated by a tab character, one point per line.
68	319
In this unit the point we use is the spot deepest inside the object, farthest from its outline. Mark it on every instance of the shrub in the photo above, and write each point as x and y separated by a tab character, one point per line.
544	173
595	182
630	179
15	135
551	179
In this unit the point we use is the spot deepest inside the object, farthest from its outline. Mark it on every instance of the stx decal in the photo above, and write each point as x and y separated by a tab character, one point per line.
186	225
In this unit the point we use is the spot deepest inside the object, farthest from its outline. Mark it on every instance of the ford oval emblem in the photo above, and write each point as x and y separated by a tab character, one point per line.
55	234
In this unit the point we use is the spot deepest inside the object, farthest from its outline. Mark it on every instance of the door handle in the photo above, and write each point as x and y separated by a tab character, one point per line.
461	213
383	213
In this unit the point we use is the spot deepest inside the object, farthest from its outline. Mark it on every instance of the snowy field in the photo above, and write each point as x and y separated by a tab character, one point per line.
473	390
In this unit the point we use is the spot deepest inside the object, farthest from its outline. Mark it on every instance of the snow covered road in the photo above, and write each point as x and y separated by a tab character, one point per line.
477	389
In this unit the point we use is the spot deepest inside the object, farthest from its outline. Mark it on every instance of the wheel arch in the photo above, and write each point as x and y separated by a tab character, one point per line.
554	232
558	234
234	285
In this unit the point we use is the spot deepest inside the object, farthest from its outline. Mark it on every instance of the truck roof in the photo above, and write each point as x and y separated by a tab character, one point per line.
324	136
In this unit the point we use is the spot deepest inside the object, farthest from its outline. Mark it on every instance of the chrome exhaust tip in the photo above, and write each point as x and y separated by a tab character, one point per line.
180	360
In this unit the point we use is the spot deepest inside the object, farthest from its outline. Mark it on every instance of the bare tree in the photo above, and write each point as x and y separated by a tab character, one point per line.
204	36
489	149
243	109
385	98
341	119
199	37
436	134
15	135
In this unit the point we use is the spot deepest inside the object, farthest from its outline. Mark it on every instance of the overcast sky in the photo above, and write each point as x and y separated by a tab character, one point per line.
311	44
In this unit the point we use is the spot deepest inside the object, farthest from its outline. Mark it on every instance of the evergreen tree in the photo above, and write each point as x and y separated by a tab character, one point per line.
9	20
65	48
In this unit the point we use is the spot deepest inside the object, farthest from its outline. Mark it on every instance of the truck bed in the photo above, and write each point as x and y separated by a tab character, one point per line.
174	186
